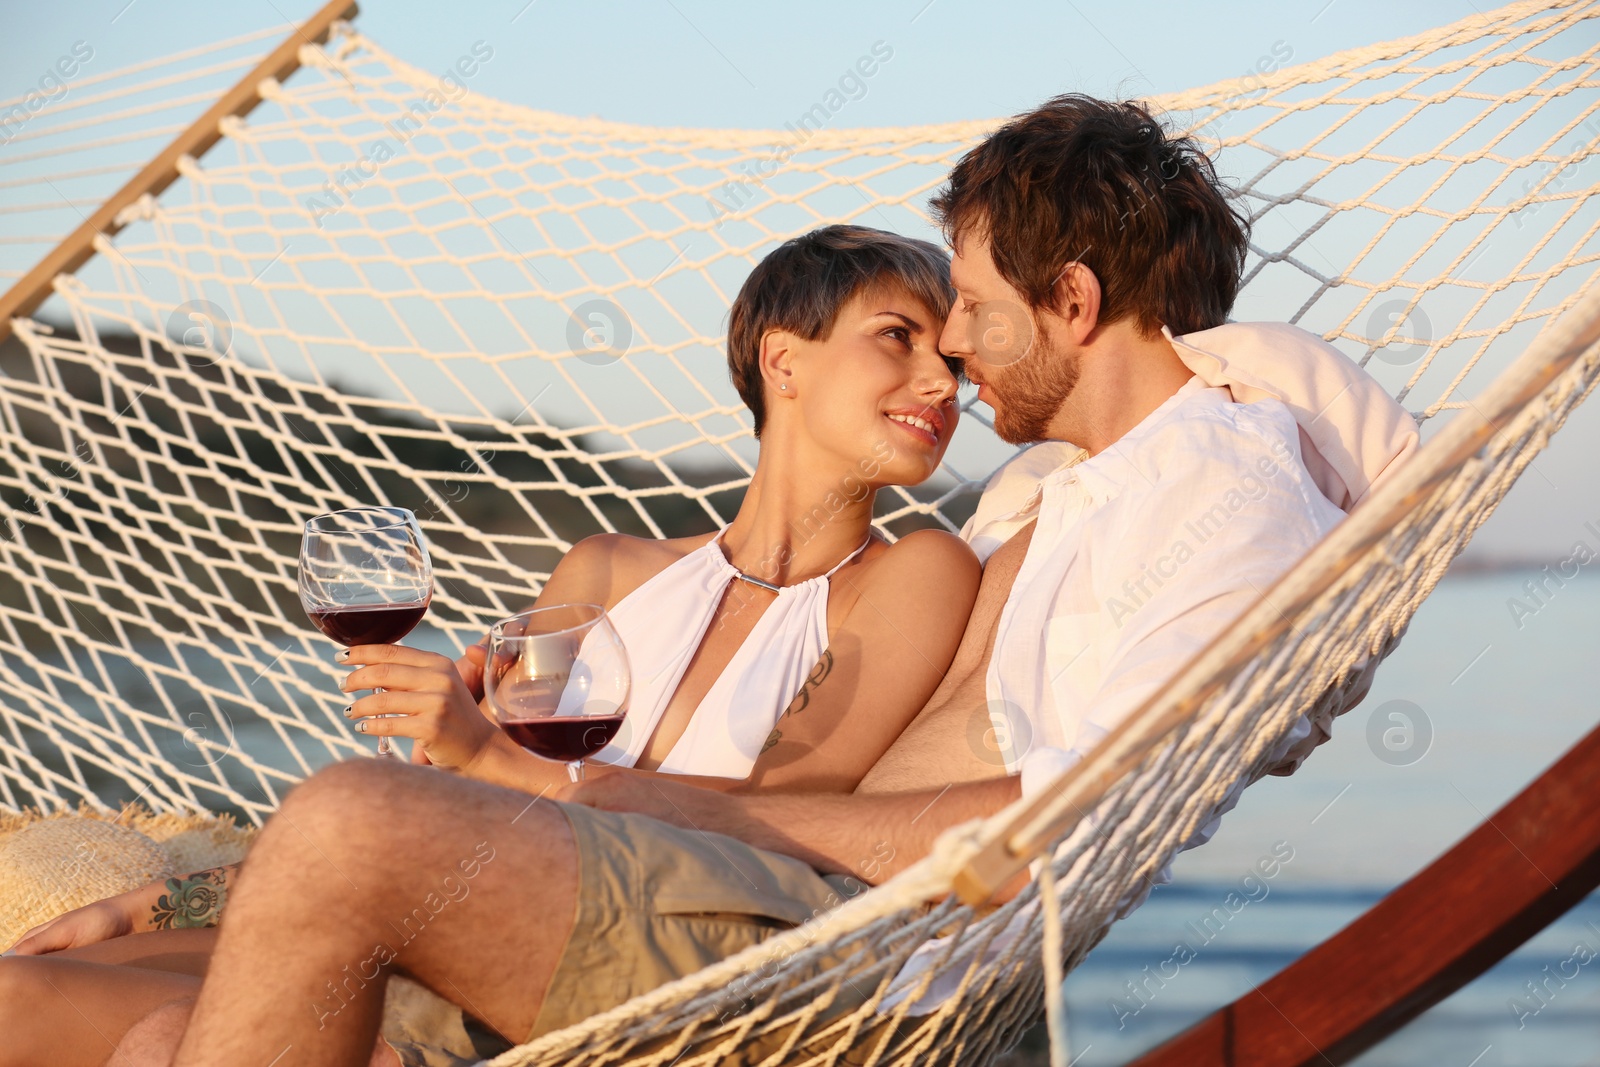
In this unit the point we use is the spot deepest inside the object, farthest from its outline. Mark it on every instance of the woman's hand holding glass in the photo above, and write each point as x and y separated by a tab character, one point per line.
530	679
427	698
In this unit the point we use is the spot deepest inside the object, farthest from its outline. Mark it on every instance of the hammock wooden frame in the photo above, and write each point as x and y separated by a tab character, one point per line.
76	249
1524	867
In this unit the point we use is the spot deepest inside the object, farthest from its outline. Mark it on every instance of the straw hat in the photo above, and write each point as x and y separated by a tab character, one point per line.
50	864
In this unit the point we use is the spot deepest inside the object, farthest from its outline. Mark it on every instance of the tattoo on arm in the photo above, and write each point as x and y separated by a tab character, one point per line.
802	699
193	901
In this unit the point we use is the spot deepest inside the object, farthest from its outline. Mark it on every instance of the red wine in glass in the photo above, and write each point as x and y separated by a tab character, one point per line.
558	681
564	737
383	624
365	578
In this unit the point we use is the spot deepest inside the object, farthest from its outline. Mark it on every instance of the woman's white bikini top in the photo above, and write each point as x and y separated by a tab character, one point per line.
662	624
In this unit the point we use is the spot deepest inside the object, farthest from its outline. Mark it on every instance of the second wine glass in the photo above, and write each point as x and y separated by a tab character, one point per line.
558	680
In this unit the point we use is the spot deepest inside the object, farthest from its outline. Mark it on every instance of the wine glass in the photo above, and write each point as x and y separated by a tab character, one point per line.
365	578
558	680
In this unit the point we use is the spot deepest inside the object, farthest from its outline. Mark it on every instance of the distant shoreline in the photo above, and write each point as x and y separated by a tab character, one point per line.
1471	567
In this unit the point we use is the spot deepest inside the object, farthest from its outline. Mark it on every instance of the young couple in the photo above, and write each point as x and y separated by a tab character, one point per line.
804	691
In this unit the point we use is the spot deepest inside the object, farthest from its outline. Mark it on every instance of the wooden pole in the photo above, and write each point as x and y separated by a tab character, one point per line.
1510	878
33	288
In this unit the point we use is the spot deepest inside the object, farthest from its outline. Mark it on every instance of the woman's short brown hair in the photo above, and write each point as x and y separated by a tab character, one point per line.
1102	183
802	285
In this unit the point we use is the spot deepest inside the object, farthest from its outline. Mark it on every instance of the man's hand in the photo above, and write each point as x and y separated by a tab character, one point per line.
429	697
670	802
88	925
592	792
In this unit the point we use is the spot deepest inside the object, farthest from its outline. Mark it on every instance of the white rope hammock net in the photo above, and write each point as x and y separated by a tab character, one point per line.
65	154
422	330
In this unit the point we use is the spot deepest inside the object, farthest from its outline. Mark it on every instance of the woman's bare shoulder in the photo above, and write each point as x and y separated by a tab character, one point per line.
936	549
928	565
621	562
911	604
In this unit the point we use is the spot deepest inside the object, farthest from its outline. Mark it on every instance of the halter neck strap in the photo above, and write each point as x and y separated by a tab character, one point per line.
717	540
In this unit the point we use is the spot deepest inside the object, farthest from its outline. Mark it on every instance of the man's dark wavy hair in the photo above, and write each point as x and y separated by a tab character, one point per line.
1102	183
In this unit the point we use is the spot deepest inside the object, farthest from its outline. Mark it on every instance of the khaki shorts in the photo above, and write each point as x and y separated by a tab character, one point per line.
655	903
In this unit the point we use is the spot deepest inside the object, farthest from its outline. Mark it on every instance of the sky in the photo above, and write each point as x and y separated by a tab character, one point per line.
707	64
699	63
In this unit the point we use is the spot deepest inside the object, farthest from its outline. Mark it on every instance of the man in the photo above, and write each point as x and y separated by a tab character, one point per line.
1084	239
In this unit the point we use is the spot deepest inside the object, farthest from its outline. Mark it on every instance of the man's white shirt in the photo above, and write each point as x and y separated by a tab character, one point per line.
1140	557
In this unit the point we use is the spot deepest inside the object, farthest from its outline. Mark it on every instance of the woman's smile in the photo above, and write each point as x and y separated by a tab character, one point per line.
925	424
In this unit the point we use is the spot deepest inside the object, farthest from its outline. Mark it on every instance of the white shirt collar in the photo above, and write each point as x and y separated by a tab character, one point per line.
1015	491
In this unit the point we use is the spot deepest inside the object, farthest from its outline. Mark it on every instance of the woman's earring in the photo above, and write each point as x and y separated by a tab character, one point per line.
783	387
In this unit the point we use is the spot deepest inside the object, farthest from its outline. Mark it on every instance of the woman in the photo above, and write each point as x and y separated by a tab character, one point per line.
787	650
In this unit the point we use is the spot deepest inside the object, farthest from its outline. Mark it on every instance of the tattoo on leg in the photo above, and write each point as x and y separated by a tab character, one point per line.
192	902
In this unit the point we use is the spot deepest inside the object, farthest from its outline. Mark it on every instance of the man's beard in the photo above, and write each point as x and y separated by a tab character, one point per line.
1034	390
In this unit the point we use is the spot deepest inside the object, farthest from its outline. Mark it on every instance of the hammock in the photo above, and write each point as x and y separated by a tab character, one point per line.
383	287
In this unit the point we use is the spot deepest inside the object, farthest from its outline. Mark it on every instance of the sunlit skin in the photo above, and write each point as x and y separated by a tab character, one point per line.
828	437
828	433
829	400
1121	375
930	779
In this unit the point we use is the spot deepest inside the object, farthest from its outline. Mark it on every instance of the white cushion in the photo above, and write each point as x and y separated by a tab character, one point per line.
1352	433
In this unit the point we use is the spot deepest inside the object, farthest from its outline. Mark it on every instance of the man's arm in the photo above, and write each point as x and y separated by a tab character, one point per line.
505	763
872	837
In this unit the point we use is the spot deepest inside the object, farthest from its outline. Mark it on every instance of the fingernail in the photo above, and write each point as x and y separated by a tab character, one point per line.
342	655
347	708
362	726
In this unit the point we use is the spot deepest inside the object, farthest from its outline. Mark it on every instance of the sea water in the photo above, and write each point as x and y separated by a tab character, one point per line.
1493	682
